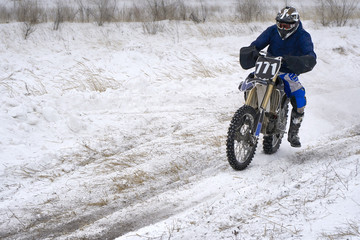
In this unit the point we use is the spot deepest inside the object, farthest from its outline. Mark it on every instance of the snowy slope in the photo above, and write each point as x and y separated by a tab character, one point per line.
112	133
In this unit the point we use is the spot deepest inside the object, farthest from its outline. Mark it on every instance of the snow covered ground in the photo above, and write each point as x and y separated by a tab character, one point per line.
108	132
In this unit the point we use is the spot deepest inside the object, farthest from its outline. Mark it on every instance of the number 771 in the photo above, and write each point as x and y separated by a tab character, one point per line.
265	66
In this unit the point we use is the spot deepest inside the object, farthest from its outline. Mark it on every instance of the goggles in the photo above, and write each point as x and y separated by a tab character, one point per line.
286	26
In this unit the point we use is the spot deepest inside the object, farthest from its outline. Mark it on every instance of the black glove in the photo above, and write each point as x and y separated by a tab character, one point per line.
248	57
300	64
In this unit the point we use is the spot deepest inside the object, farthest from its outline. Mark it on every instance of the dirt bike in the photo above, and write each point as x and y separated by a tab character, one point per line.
265	112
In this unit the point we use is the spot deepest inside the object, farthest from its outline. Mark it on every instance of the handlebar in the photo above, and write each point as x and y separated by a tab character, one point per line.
264	54
296	64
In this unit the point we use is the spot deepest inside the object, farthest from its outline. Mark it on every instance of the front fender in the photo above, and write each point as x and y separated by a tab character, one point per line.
250	83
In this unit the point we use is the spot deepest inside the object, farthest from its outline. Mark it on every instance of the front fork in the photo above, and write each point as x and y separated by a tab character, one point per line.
259	120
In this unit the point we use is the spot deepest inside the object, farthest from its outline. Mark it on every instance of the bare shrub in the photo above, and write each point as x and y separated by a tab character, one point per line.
166	10
58	18
29	11
251	10
63	13
194	17
5	14
105	11
199	15
157	9
131	14
336	11
84	12
28	28
182	10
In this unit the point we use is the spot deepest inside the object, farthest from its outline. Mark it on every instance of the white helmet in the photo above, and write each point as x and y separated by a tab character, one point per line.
287	21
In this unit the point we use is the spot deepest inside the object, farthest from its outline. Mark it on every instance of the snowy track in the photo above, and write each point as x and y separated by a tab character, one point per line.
136	173
110	133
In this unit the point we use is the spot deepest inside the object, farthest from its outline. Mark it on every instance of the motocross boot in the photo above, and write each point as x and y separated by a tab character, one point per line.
295	123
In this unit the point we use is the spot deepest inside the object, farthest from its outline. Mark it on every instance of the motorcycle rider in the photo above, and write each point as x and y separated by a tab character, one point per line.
287	38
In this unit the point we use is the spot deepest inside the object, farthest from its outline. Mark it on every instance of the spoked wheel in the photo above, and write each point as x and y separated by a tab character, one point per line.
241	144
271	143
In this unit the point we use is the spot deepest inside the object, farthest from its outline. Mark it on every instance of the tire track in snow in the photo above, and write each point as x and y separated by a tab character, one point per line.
183	168
288	191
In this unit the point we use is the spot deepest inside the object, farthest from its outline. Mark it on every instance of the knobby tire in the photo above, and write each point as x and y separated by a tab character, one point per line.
241	144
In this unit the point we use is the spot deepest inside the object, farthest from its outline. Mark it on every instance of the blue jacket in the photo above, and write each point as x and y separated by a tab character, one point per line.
297	44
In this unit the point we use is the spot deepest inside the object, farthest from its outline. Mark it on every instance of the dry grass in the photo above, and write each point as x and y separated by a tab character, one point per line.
6	82
350	229
102	202
34	89
153	28
340	50
174	170
89	77
217	141
196	67
26	172
131	180
94	80
200	69
103	153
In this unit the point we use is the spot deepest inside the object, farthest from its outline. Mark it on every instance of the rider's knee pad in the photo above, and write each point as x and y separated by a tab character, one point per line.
298	103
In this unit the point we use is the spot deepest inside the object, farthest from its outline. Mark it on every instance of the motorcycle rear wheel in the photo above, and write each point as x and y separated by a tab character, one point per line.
241	143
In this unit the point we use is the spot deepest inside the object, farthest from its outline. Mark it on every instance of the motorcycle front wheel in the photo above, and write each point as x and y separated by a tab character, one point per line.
241	143
271	143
